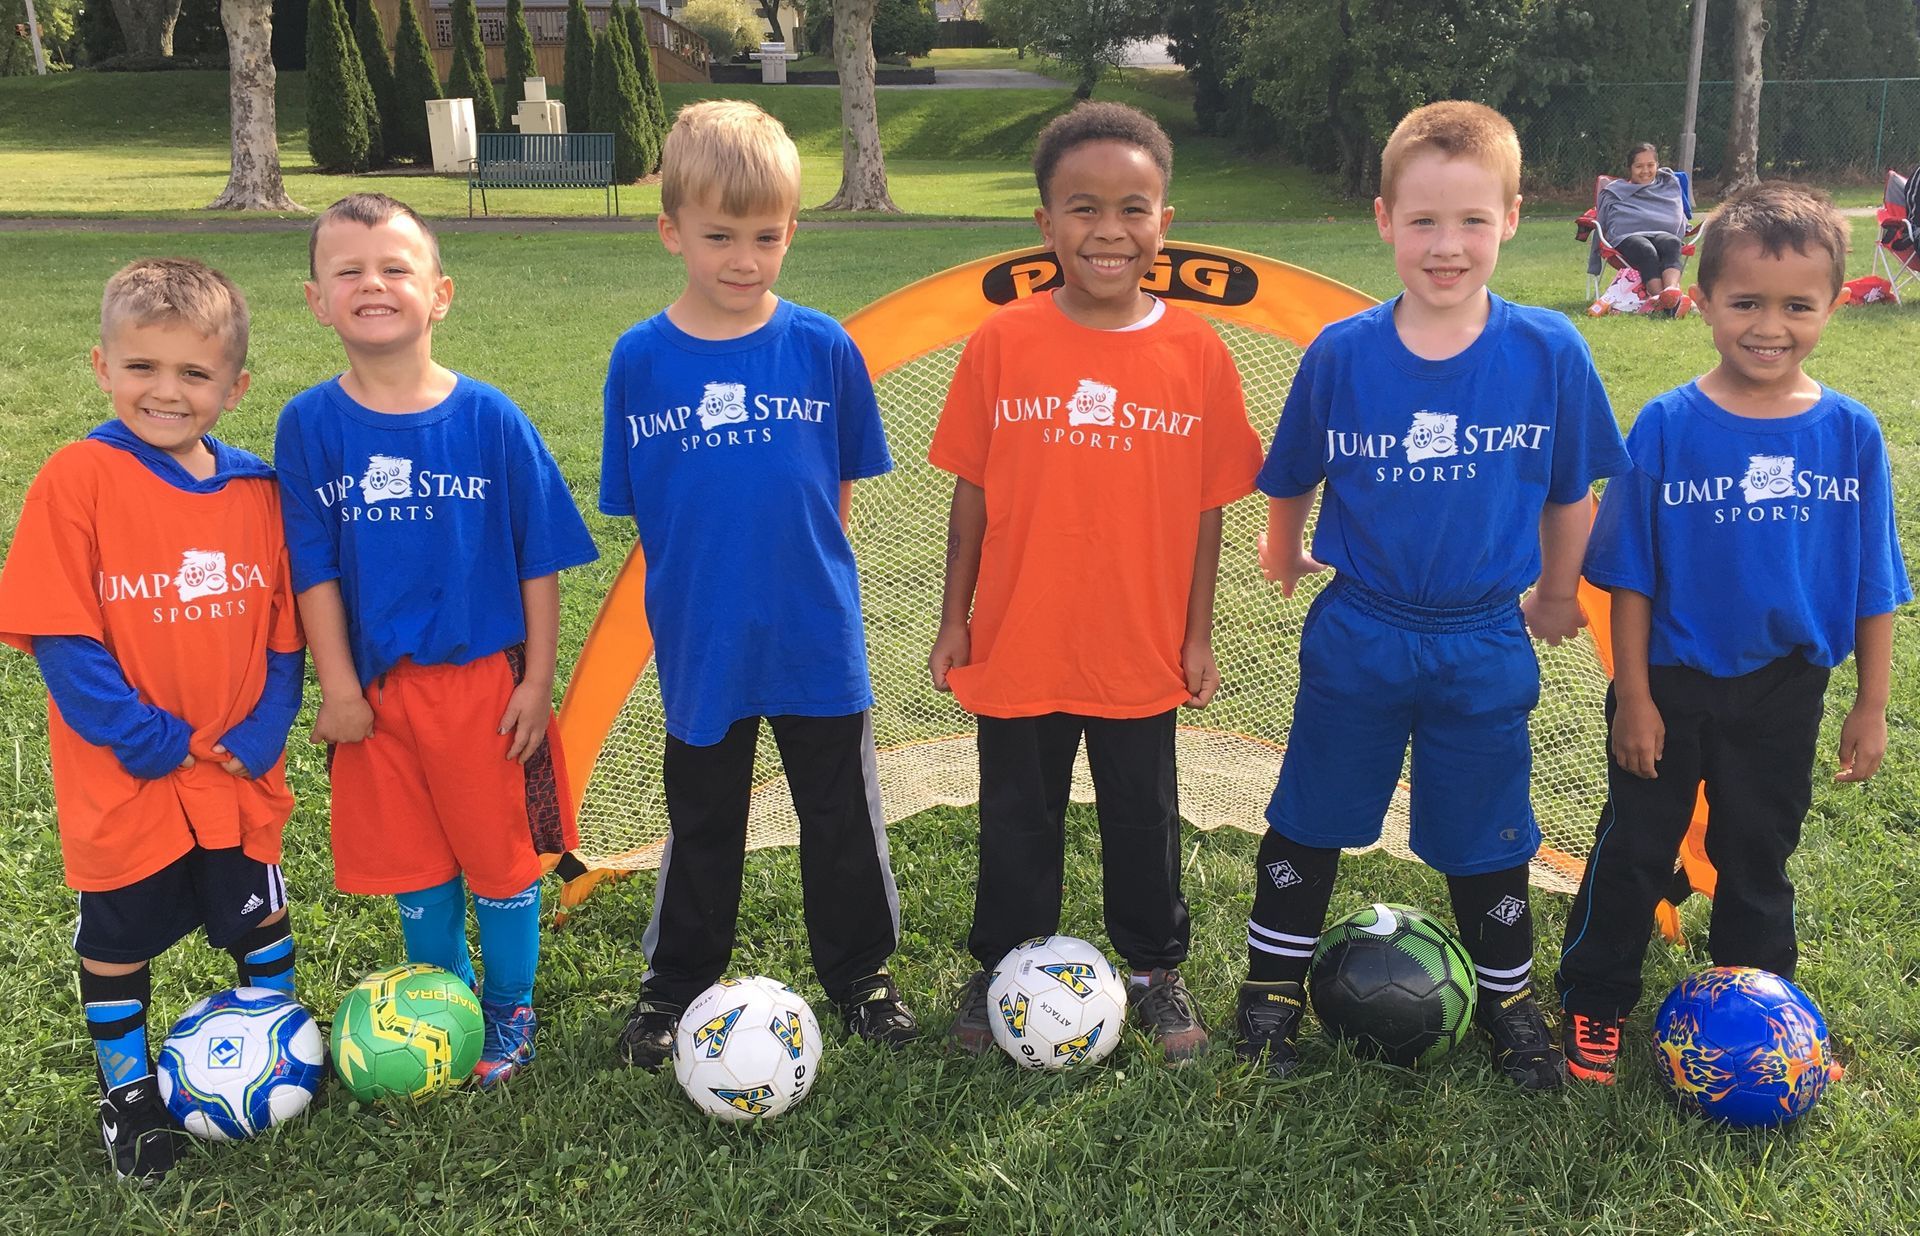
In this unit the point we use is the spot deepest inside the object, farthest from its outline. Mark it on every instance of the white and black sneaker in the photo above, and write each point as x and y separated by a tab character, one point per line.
142	1140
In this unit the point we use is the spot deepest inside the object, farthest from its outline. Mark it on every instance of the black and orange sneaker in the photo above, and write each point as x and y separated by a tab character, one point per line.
1266	1022
1523	1048
1164	1008
872	1009
1593	1047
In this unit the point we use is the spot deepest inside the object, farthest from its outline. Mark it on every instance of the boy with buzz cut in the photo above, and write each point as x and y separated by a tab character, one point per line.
148	577
1749	550
1453	438
736	424
1082	550
427	525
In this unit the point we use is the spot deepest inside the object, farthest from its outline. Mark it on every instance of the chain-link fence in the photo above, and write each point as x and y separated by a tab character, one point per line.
1838	130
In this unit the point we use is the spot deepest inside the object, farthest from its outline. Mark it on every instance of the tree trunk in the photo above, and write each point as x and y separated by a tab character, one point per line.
1743	130
254	183
770	9
148	24
863	167
33	33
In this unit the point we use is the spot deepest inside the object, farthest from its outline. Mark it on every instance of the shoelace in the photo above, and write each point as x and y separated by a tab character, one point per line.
1522	1029
1601	1036
973	998
1167	1003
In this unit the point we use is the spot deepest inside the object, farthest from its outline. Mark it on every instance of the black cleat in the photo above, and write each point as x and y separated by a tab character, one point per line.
647	1041
1164	1008
142	1140
1522	1048
1266	1022
872	1010
970	1031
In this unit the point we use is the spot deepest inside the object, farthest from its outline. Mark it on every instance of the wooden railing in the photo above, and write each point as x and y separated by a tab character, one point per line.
549	28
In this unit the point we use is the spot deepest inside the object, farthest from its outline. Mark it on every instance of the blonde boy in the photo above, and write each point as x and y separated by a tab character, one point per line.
427	525
1749	551
1452	437
149	579
736	424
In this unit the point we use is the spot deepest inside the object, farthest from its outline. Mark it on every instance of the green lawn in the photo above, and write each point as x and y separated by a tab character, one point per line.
981	58
917	1142
156	145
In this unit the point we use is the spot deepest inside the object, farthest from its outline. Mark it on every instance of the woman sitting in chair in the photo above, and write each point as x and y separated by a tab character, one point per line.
1644	218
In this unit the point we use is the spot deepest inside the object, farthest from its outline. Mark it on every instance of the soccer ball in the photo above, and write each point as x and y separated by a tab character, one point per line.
1394	982
747	1049
1056	1002
1742	1046
405	1033
240	1061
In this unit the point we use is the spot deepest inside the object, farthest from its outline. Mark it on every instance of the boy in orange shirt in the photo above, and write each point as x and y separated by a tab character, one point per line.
1095	433
149	579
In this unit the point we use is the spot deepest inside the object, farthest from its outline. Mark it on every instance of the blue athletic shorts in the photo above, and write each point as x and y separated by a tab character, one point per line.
1376	672
224	891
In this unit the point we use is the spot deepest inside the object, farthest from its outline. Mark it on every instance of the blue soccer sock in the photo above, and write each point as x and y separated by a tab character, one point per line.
434	923
509	945
265	957
116	1010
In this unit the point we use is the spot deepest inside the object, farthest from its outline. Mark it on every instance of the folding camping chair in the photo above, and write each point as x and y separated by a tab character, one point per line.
1896	258
1601	255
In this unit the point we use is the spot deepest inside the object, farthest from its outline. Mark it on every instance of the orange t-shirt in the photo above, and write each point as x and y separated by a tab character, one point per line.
1098	451
188	592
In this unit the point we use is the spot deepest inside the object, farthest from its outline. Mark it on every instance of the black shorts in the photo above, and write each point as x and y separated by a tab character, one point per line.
223	891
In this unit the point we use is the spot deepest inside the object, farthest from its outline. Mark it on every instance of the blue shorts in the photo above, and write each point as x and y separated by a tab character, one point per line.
1374	672
224	891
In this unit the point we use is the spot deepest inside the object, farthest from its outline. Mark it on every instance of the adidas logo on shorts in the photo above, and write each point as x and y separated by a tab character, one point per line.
253	903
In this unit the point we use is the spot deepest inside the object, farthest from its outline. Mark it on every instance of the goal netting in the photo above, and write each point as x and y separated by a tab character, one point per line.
1229	754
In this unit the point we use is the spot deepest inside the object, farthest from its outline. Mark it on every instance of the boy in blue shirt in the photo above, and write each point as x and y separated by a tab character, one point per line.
427	525
736	424
1456	436
1750	549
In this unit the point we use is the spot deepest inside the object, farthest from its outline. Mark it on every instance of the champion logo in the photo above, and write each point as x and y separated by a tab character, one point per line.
1282	874
1508	911
253	903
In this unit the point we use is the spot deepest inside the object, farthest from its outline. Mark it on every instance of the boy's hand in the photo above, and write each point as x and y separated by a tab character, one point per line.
185	764
529	709
344	719
1286	568
951	649
1639	736
1863	743
1203	673
1552	619
232	764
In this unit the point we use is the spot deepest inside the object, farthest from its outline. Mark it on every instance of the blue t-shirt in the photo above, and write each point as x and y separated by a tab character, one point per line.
1755	538
430	520
1437	471
729	454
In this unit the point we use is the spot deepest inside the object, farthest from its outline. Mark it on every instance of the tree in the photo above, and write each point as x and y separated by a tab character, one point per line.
468	77
361	87
617	103
520	62
1088	36
253	181
148	24
415	80
656	105
336	123
770	13
578	88
371	40
1743	128
729	26
903	28
863	165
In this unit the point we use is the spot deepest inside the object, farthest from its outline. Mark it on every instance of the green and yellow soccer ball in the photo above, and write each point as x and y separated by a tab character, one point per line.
406	1033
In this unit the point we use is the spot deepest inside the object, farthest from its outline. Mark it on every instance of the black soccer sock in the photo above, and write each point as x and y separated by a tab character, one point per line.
265	957
1495	921
116	1010
1292	889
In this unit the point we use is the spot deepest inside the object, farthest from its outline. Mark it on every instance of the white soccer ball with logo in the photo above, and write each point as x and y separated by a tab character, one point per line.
240	1061
747	1049
1056	1003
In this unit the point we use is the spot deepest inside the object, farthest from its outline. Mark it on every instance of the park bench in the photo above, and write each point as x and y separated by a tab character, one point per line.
542	161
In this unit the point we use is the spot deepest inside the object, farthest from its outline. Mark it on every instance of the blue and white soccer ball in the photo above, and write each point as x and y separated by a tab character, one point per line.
241	1061
1056	1003
747	1049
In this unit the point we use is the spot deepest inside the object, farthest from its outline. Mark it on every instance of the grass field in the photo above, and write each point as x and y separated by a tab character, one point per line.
72	145
918	1142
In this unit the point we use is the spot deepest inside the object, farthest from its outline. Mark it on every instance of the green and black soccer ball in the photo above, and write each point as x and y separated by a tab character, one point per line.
406	1033
1394	982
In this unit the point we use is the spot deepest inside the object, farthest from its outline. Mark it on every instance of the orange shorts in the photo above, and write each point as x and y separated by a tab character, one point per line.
431	794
